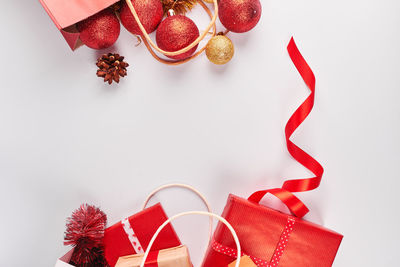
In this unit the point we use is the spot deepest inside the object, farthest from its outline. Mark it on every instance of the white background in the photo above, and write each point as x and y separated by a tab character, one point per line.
66	138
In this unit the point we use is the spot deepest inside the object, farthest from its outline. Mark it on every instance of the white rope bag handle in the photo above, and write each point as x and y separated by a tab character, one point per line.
188	187
211	215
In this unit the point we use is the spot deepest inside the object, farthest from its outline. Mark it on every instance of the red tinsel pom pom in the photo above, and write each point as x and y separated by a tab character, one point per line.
101	30
85	232
177	32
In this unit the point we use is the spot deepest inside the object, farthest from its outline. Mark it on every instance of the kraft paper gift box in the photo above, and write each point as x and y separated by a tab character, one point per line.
133	234
65	14
172	257
245	261
271	238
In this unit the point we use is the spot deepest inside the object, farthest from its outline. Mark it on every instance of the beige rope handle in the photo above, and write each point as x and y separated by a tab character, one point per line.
179	62
188	187
211	215
183	50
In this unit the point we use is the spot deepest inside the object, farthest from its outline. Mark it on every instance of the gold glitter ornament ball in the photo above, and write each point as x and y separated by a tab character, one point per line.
220	50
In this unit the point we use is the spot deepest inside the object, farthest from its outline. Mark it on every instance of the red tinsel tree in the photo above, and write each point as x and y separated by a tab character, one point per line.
85	232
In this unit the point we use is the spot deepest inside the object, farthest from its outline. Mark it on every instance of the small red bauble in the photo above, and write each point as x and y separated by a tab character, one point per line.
239	15
177	32
100	30
150	13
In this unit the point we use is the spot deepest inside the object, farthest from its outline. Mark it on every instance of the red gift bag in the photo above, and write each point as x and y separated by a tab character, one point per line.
65	14
271	238
132	235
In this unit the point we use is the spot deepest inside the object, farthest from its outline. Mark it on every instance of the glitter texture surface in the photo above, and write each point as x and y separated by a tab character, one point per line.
239	15
220	50
150	13
177	32
101	30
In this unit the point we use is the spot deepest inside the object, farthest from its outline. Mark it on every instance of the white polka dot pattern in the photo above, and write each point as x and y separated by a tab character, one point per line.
283	241
233	253
132	236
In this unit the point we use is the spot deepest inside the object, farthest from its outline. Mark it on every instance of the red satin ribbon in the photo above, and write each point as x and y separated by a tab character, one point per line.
306	184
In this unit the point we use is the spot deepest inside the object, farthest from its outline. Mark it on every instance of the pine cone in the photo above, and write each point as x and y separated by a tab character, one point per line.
111	67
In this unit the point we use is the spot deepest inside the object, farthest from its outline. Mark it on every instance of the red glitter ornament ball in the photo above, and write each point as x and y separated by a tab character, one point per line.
101	30
239	15
177	32
150	13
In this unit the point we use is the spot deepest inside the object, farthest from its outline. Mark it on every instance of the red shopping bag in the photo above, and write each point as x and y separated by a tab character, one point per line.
65	14
133	234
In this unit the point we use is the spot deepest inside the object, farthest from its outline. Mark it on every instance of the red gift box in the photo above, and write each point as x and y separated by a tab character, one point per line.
269	237
132	235
65	14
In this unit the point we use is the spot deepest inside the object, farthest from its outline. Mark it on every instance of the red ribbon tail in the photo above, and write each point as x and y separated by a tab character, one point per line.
297	185
307	184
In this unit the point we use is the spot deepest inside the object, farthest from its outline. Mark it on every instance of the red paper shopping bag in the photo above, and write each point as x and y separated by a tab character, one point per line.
64	260
65	14
133	234
271	238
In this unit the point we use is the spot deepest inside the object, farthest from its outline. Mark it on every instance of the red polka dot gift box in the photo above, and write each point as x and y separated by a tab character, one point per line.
271	238
132	235
268	237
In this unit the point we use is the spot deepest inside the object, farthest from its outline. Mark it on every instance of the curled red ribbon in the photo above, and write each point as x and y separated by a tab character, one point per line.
285	194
